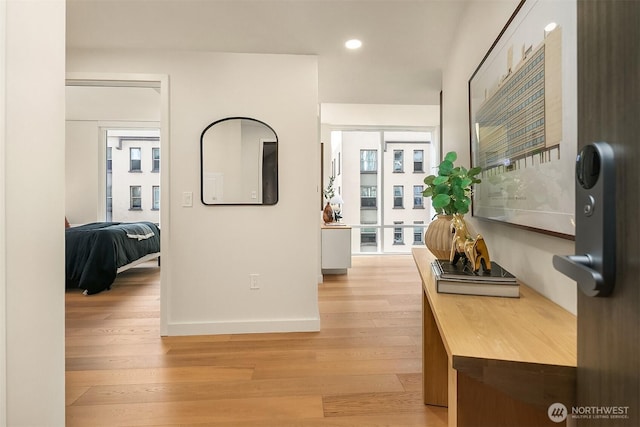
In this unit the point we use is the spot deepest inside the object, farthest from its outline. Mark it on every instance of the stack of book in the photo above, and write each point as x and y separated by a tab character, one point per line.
461	279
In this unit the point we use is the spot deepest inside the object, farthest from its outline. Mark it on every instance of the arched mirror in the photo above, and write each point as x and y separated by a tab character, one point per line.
239	163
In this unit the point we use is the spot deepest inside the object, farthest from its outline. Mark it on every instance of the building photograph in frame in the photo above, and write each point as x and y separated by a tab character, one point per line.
523	124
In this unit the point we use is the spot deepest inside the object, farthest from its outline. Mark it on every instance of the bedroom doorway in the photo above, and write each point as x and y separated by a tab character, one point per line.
86	175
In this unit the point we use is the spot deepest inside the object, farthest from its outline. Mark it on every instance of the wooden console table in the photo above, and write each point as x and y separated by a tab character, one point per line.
495	361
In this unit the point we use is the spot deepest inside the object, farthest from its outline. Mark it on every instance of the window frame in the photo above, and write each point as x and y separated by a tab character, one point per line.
369	231
399	198
155	162
155	197
398	233
400	160
363	197
417	197
132	198
364	161
109	160
421	162
418	230
137	169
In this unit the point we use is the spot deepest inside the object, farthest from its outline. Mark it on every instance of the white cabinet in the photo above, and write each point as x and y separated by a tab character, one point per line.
336	249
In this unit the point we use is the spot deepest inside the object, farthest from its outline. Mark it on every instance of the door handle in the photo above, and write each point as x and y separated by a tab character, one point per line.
594	268
580	269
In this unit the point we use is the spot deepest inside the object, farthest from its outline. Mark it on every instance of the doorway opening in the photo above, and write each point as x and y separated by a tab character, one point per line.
146	120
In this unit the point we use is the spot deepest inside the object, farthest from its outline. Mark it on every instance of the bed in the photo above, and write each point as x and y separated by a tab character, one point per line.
95	253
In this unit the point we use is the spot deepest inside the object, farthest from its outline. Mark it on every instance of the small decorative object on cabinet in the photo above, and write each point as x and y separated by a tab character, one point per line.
327	213
465	245
460	279
450	193
336	204
332	211
438	236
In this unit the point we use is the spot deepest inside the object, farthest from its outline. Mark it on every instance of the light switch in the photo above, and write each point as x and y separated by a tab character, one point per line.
187	199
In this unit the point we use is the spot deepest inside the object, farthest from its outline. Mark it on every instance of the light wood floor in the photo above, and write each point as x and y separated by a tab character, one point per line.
362	369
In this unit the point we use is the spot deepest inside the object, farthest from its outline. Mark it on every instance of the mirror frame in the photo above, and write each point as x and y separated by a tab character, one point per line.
277	141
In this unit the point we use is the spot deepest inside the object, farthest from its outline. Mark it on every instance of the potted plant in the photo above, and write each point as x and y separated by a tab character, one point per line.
450	193
330	212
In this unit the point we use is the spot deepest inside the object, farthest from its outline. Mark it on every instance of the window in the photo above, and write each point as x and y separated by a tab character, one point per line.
418	199
398	196
131	170
155	159
109	160
368	196
368	161
109	217
155	197
368	237
418	233
135	159
398	161
418	160
398	238
135	198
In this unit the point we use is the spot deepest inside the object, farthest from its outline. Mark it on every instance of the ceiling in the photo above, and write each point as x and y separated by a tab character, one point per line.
405	42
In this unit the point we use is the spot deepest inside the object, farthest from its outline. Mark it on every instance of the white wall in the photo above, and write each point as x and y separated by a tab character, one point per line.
526	254
87	110
32	202
215	248
81	177
3	278
140	104
380	115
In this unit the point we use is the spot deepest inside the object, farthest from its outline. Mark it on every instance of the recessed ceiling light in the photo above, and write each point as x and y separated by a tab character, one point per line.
550	27
353	44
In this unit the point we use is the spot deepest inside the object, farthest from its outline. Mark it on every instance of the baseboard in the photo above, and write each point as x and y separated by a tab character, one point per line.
244	327
334	271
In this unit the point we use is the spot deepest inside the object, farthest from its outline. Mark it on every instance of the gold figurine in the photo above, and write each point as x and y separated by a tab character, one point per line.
464	245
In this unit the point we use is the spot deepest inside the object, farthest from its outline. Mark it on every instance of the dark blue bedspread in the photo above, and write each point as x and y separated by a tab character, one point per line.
95	251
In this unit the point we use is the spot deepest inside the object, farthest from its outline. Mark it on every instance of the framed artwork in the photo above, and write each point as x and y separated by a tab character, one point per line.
441	154
523	120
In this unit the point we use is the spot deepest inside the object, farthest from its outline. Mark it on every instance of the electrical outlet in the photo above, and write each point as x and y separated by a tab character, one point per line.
253	281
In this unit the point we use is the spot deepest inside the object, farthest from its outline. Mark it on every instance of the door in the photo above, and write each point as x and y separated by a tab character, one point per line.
609	110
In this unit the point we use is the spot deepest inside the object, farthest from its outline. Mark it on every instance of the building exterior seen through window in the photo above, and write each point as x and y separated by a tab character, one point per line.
132	175
372	183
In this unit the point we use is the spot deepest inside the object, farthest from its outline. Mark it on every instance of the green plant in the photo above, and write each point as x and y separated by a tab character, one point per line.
330	191
450	190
